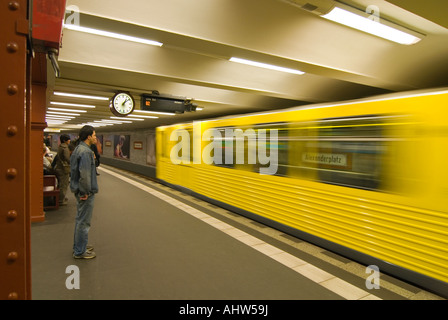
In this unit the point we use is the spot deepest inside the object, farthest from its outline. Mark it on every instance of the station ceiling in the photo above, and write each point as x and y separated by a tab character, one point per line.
200	36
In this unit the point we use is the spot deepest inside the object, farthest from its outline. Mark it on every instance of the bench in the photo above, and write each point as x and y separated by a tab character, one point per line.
51	192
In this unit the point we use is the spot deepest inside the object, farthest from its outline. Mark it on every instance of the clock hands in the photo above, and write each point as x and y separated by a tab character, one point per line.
127	99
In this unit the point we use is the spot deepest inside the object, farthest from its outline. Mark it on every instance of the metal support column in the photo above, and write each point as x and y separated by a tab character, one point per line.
15	86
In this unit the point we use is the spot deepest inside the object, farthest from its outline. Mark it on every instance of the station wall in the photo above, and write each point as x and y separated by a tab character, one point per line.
128	150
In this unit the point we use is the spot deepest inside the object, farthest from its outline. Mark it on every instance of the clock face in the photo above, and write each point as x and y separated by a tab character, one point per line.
122	104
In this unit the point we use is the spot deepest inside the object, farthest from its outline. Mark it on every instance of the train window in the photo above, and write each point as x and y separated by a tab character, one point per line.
222	149
248	148
347	152
180	142
272	148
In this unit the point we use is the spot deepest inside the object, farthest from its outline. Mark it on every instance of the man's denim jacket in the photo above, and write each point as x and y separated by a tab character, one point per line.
82	171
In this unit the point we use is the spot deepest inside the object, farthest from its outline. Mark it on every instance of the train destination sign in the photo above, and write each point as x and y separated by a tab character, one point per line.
330	159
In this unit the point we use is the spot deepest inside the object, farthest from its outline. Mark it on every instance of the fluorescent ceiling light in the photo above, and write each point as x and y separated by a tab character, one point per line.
59	117
71	104
112	121
82	96
365	24
266	66
63	113
66	110
154	112
90	124
55	122
130	119
99	124
95	124
51	119
112	35
141	116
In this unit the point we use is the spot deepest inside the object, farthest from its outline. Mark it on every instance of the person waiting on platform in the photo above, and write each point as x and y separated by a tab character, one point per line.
83	183
62	167
47	162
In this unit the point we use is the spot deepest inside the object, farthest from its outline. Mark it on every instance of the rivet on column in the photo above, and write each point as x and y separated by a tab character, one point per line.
12	215
12	131
12	89
11	173
13	296
13	256
13	5
12	47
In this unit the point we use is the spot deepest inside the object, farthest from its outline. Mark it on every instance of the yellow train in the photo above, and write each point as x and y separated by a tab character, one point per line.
365	178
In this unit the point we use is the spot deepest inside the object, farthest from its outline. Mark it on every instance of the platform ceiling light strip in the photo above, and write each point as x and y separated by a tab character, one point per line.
141	116
357	21
55	123
154	112
94	124
66	110
71	104
59	117
130	119
98	124
54	119
266	66
81	96
112	35
112	121
63	113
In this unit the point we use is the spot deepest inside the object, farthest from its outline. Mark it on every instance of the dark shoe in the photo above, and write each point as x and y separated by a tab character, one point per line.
85	255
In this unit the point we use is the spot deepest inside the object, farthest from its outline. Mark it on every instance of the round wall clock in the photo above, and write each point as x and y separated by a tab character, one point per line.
122	104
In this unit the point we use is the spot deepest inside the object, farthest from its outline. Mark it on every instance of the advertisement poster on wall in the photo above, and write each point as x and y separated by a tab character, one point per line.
122	146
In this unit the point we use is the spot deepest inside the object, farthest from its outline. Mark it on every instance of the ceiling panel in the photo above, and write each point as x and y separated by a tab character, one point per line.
199	36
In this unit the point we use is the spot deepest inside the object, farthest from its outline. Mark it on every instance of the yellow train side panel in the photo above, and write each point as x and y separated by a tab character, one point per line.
406	226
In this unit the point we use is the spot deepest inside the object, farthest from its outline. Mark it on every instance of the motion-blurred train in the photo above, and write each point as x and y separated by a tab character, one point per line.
367	179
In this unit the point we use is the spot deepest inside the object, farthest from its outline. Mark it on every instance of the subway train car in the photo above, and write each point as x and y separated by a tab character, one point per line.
367	179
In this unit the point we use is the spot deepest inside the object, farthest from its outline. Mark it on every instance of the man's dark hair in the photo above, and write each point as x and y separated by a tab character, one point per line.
64	138
85	132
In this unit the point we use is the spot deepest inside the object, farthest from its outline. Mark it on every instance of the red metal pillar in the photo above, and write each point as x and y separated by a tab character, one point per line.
15	269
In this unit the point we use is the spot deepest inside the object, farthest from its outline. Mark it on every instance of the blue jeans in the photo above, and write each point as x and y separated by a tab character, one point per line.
82	224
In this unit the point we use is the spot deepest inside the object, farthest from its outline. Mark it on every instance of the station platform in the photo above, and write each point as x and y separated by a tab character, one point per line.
156	243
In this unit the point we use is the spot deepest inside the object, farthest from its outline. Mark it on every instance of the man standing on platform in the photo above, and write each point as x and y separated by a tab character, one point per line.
62	168
83	183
